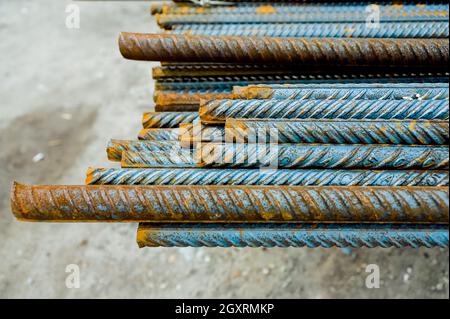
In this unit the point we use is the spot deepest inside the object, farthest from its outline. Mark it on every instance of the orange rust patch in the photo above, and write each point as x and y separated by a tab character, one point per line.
266	9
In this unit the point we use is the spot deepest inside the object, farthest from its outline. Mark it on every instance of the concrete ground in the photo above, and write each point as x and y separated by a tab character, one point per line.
65	92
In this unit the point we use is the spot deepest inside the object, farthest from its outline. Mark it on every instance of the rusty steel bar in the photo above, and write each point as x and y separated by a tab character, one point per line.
217	111
159	134
190	134
116	147
339	131
170	158
293	177
429	29
360	91
231	203
290	235
167	119
202	84
167	21
169	47
271	8
186	102
323	156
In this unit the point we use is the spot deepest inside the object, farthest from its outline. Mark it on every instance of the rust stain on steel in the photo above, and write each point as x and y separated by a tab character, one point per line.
217	111
169	47
167	119
116	147
190	134
230	203
186	102
158	159
159	134
339	131
369	156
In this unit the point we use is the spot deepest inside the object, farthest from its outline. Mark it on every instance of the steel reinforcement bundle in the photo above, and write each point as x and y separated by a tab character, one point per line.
279	124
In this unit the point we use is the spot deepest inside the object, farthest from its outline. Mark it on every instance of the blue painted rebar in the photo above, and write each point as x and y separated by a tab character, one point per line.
157	134
324	156
320	30
270	8
305	177
217	111
169	158
289	235
169	20
358	91
338	131
167	119
190	84
116	147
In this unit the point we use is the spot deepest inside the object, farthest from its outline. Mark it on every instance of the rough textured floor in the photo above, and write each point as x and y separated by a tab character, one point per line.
64	93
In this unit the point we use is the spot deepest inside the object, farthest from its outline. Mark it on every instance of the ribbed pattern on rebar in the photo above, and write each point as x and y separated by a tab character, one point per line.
319	30
217	111
305	177
168	47
257	235
325	156
167	119
231	203
340	131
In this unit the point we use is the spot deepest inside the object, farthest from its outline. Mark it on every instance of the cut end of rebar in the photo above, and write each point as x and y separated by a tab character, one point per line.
16	208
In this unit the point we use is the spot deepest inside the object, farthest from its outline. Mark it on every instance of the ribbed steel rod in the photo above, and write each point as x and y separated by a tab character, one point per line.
167	119
339	131
324	156
116	147
169	20
200	84
359	91
170	158
159	134
429	29
194	133
217	111
230	203
169	47
239	71
166	102
293	177
271	8
290	235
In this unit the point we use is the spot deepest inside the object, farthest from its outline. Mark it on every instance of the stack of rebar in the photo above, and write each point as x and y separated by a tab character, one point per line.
266	136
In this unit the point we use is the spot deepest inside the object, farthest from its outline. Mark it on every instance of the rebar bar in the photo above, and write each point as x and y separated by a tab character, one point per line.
339	131
186	102
202	84
116	147
293	177
271	8
238	71
154	159
195	133
290	235
157	134
323	156
167	21
231	203
169	47
167	119
429	29
362	91
217	111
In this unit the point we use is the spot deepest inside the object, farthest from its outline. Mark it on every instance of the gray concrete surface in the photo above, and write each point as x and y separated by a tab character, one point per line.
64	93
